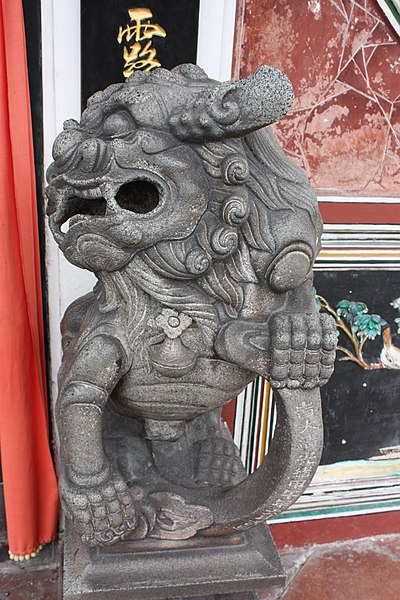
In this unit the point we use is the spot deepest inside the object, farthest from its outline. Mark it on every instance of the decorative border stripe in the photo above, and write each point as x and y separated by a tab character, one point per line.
355	213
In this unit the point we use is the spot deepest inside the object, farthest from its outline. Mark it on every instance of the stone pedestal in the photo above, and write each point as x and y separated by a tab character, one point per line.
223	567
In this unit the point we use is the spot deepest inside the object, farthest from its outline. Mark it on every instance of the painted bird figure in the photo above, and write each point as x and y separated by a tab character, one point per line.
390	355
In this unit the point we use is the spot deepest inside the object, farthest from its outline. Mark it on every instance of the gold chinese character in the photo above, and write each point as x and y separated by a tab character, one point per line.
135	56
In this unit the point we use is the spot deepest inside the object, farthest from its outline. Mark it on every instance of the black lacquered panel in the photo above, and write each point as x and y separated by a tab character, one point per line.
111	27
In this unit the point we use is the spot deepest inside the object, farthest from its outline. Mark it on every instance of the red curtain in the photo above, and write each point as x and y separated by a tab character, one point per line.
30	490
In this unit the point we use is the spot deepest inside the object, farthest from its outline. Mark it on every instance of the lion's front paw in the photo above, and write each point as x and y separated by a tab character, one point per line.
303	349
102	514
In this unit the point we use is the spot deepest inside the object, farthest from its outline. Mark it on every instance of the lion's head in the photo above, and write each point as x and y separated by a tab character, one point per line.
168	179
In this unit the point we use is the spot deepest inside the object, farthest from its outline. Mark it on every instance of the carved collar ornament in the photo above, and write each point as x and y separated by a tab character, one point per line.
202	236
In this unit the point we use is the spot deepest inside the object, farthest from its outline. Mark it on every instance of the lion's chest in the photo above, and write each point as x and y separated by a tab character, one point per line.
150	395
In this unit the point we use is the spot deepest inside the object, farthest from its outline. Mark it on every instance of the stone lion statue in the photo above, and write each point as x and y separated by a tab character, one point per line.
202	236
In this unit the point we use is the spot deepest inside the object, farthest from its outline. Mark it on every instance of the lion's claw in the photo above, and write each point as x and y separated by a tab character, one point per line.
302	350
219	462
102	514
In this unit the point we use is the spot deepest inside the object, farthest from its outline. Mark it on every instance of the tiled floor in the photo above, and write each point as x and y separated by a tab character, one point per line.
37	579
367	569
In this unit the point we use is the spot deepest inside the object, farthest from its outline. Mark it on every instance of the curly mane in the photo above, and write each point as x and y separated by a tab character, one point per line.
208	269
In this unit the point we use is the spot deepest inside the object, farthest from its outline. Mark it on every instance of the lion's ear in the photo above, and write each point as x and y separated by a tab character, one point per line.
235	108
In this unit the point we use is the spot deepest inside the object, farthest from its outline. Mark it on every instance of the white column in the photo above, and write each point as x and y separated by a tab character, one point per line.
61	100
215	39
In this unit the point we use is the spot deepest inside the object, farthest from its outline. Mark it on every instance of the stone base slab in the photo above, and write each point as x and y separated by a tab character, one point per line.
223	567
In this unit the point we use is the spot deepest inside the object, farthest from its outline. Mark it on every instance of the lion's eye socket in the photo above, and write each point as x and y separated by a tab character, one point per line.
138	196
118	124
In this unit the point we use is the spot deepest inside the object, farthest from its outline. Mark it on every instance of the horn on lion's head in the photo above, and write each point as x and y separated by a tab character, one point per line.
234	108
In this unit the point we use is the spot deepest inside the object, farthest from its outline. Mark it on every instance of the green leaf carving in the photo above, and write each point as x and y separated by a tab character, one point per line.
368	325
349	309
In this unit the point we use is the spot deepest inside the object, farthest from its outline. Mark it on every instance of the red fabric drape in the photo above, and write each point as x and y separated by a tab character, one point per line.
30	490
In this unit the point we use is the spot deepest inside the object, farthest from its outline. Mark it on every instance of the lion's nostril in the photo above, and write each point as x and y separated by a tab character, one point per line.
138	196
83	206
87	206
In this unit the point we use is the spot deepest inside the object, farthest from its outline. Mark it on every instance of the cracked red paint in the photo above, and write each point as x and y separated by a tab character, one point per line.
343	59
